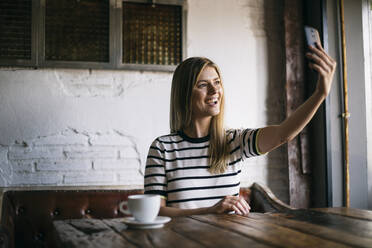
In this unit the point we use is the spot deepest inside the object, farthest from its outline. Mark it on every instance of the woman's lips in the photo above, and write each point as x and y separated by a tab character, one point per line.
212	102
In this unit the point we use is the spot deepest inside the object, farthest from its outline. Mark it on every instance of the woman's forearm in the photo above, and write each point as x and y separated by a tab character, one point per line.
227	204
273	136
294	124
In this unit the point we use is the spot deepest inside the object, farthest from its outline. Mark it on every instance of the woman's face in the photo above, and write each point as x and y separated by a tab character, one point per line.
207	94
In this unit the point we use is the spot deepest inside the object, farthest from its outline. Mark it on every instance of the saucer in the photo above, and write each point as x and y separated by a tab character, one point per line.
157	223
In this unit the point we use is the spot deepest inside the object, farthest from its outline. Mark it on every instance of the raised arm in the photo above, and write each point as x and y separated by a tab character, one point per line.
273	136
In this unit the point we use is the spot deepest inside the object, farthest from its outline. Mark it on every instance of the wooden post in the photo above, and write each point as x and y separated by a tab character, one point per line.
299	171
346	113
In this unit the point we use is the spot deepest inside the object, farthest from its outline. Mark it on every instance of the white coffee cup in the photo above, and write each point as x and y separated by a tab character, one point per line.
144	208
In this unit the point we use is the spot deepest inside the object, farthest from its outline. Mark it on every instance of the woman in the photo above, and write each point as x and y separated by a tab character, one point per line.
196	168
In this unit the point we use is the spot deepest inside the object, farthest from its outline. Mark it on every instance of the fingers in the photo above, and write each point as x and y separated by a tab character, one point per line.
319	62
238	204
237	210
330	59
244	205
320	53
319	69
228	203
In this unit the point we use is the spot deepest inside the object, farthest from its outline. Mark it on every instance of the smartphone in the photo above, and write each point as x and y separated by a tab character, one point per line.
312	36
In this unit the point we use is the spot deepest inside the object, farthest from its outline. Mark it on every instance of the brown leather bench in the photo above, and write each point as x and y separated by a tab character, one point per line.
27	216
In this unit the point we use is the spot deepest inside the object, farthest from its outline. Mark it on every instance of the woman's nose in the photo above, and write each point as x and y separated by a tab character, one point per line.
212	89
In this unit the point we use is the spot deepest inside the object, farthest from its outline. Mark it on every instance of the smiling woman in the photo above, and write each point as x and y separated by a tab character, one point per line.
193	110
199	163
196	169
207	94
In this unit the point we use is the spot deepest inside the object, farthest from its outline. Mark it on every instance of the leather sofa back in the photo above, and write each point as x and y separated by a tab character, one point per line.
28	215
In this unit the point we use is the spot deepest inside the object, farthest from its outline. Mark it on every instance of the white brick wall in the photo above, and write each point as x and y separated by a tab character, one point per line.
64	165
72	158
119	164
90	178
115	139
23	165
23	153
91	152
24	178
61	140
5	170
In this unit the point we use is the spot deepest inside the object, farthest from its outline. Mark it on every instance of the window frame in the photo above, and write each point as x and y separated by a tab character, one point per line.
149	67
34	32
115	41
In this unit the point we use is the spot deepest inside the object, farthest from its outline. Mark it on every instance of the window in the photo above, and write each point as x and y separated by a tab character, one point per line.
152	34
15	30
77	30
98	34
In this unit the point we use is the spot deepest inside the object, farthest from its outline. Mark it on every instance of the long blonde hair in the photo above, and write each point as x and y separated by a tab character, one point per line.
184	79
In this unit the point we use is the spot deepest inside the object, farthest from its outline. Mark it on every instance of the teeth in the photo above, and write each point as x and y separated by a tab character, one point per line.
214	100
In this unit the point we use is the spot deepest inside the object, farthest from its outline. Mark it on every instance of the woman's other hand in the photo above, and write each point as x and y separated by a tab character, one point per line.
231	203
322	63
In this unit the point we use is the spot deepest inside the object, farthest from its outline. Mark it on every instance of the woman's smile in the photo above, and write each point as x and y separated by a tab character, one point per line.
212	101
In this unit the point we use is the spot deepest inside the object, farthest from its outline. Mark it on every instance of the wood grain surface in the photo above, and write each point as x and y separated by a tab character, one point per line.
336	227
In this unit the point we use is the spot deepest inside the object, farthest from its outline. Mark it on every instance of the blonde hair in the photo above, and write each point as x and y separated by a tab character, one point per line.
184	79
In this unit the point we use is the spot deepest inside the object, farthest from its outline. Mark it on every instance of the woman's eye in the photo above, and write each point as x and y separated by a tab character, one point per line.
202	85
217	82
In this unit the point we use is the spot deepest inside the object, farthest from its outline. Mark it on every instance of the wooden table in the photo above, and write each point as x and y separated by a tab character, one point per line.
328	227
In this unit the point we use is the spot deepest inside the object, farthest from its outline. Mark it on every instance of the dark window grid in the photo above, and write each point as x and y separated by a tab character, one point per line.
151	46
69	35
38	39
15	29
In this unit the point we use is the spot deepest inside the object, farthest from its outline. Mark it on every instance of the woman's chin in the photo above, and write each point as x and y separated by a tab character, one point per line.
213	113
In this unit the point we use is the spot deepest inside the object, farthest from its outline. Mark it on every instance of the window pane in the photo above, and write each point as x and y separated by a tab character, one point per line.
77	30
152	35
15	29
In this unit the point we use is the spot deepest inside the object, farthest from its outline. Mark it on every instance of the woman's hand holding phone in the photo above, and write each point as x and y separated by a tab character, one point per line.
320	61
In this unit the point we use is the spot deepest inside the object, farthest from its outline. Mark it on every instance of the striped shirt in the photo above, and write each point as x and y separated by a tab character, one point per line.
177	168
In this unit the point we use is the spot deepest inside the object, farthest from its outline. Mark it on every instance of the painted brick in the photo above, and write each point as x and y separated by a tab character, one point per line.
130	177
23	165
5	167
121	164
58	140
3	155
91	152
64	165
128	152
252	174
91	178
255	161
36	179
18	152
3	180
111	140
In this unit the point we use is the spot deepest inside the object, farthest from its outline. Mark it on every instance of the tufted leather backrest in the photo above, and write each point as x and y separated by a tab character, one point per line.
27	216
34	211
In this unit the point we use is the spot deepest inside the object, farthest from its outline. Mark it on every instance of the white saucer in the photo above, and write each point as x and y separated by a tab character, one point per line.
157	223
